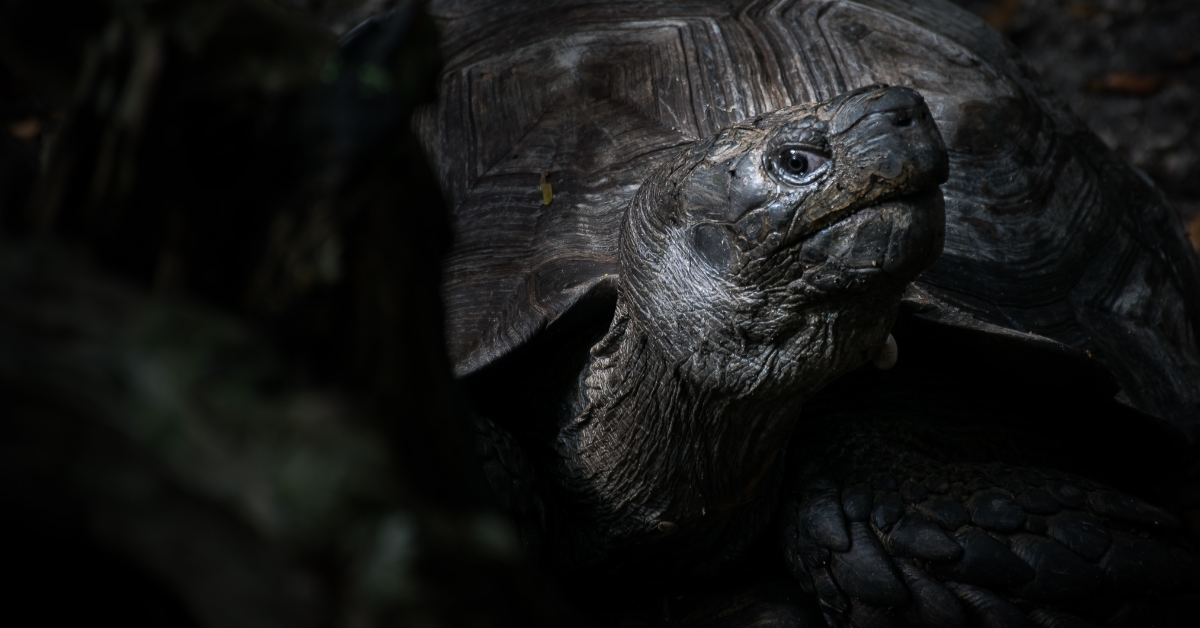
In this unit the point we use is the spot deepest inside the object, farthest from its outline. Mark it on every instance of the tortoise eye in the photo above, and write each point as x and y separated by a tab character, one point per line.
796	162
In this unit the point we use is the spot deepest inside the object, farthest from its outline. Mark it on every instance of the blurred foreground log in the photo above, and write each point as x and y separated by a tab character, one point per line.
222	383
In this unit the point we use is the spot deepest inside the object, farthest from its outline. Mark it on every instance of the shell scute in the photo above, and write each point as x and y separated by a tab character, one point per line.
1048	234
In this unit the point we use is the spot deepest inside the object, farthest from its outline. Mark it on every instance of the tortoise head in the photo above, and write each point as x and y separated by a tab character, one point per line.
778	250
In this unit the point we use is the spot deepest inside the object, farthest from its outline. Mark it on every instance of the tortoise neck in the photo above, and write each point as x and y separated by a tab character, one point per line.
651	451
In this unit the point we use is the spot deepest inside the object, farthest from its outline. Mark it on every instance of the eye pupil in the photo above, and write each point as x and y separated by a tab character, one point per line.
794	162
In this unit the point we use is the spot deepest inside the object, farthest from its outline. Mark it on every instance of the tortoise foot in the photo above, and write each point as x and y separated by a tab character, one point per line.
886	535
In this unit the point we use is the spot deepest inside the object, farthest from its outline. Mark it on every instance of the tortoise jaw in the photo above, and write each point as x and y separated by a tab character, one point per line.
884	243
803	227
918	232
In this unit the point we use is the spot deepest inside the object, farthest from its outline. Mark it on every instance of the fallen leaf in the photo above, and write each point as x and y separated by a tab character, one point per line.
1194	233
1002	14
1127	83
547	190
25	130
1082	9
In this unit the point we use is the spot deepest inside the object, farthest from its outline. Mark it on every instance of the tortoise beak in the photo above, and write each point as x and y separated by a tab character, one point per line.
884	145
894	135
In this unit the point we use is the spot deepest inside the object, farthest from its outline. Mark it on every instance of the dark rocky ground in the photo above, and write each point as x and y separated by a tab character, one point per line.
1130	69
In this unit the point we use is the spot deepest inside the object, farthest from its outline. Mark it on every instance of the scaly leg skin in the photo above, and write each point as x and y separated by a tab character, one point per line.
885	532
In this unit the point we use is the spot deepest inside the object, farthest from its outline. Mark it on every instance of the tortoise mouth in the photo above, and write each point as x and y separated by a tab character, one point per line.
917	232
890	241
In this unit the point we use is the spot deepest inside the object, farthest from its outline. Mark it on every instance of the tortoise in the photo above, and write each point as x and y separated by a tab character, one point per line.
692	240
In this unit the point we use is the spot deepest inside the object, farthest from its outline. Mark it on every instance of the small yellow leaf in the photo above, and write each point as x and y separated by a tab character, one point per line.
1194	233
547	191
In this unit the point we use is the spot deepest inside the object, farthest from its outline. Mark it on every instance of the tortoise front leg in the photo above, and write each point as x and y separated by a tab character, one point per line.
886	535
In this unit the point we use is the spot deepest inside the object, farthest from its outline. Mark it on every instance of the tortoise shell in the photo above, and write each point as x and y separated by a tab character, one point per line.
1049	238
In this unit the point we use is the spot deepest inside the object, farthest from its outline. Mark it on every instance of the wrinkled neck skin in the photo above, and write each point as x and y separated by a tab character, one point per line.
657	442
756	267
690	398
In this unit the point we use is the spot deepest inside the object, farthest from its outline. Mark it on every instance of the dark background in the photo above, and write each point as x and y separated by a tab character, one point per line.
1130	69
223	400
